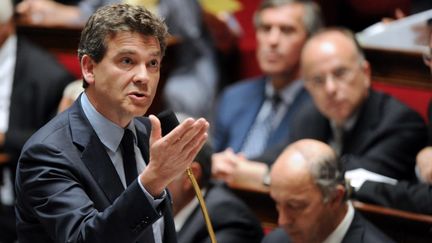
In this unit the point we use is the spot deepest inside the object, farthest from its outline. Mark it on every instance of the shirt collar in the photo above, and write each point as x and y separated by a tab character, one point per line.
108	132
348	125
287	94
8	48
181	217
339	233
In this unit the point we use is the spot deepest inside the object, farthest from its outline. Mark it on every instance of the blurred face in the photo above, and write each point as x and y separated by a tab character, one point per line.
335	76
124	83
6	29
302	212
176	188
280	38
427	57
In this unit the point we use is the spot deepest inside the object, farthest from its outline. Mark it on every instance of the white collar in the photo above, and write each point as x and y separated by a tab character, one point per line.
339	233
182	216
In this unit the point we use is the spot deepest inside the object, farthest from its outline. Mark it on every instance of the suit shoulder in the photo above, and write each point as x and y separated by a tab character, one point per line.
243	86
277	235
398	108
55	130
361	230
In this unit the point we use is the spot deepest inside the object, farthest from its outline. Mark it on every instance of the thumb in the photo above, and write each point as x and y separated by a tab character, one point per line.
156	131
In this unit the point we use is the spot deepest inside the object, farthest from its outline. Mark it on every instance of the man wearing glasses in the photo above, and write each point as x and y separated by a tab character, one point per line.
368	129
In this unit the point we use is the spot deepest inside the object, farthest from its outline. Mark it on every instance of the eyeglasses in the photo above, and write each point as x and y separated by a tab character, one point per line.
341	75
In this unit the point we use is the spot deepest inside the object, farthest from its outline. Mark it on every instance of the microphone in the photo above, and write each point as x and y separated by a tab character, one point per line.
168	122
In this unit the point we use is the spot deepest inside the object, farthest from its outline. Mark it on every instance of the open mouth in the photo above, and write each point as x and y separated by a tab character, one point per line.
138	94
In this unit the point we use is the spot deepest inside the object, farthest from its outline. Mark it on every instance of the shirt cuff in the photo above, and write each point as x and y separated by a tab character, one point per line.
154	201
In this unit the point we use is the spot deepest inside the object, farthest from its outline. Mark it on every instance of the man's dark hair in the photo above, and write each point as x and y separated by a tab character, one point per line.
109	20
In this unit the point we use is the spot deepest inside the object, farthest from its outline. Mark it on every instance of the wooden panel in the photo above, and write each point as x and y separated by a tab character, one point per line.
399	68
402	226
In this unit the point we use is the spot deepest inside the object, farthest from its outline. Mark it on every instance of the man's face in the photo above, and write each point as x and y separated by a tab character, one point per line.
303	214
335	76
6	29
280	38
124	83
428	60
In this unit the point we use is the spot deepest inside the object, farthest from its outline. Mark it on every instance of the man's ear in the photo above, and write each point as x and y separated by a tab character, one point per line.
367	71
197	172
87	66
338	196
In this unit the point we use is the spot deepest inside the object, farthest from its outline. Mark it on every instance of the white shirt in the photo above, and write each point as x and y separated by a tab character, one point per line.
339	233
181	217
7	71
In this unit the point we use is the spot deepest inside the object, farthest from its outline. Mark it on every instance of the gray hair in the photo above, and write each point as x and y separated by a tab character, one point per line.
328	174
312	20
326	170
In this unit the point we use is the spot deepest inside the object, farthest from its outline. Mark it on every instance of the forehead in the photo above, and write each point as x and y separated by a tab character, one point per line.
128	41
287	14
294	187
291	171
328	50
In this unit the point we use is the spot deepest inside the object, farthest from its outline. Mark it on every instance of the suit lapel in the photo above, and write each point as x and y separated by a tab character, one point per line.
282	133
355	230
143	129
246	117
94	154
368	118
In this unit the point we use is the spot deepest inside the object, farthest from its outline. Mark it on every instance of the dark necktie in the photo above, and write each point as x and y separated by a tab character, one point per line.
131	172
129	162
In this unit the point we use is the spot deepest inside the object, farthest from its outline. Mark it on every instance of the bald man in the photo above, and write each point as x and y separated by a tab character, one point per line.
368	129
307	184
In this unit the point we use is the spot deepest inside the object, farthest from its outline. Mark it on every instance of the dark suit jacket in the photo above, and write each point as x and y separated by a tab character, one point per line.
38	85
237	109
232	220
69	191
409	196
385	139
360	231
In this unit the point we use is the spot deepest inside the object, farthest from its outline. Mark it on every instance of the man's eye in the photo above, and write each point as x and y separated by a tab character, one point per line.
341	73
265	28
154	63
126	61
287	29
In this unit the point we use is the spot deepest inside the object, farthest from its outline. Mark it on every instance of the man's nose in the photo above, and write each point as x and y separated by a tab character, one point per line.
141	74
284	218
274	35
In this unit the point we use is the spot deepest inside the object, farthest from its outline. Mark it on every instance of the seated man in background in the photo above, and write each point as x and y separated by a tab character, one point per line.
31	86
255	114
232	220
424	158
405	195
368	129
308	186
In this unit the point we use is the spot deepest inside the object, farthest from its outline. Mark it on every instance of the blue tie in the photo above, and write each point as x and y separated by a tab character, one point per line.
257	138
